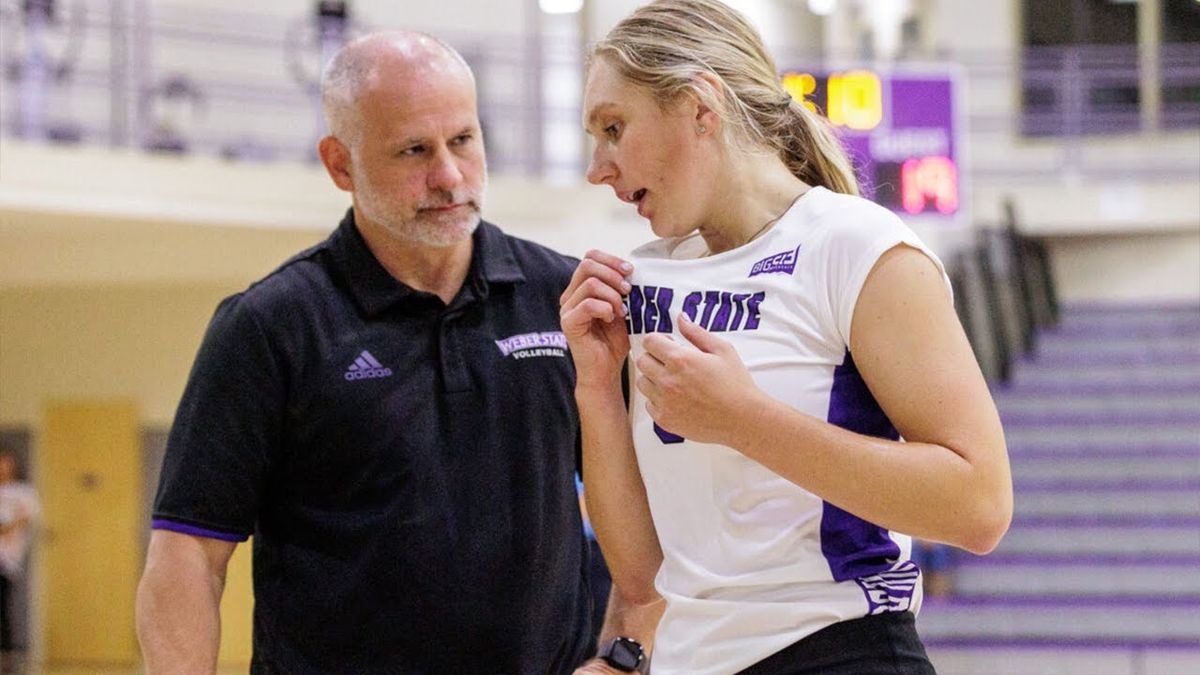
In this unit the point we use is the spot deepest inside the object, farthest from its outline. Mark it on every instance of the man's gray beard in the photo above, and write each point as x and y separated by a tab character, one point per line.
423	233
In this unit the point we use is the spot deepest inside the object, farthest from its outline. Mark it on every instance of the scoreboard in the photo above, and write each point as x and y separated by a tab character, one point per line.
900	132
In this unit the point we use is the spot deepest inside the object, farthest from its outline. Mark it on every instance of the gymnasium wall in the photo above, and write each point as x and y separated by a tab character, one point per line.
111	260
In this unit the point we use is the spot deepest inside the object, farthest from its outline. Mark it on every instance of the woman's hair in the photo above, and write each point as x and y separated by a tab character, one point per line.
666	45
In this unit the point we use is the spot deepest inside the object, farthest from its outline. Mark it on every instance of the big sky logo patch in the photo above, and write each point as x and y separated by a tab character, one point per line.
779	263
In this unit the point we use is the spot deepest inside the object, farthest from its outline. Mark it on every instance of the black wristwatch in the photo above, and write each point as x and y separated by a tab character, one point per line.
624	654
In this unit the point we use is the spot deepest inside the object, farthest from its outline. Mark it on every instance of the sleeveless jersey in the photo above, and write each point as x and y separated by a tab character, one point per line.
752	563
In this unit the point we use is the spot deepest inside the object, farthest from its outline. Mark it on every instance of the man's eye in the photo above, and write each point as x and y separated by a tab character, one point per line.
612	130
463	139
414	150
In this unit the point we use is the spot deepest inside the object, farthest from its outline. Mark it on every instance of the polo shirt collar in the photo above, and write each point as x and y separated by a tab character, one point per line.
375	289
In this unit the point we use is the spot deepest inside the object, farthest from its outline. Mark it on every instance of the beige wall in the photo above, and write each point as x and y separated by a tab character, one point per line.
93	343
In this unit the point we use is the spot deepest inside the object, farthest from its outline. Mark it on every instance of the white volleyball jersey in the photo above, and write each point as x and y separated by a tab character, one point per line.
752	563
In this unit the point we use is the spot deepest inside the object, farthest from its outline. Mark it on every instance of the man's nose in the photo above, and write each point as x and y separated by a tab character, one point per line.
445	173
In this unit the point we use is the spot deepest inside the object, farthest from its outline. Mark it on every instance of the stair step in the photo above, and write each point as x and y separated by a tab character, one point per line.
1189	356
1086	453
1152	620
1085	576
1070	387
1092	330
1116	345
1142	502
1061	657
1108	374
1115	401
1108	484
1042	469
1125	314
1179	416
1083	539
1127	435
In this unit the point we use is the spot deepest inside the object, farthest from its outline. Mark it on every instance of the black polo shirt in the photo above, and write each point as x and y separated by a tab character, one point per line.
406	467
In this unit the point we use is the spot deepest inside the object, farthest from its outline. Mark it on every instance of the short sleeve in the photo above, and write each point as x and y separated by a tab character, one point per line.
226	431
855	243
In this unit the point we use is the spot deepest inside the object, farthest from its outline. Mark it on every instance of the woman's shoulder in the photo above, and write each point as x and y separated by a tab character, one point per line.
849	219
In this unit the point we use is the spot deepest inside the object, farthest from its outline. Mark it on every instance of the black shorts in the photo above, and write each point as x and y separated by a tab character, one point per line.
884	644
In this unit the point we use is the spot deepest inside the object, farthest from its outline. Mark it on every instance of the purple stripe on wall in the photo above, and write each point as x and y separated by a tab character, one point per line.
852	546
184	528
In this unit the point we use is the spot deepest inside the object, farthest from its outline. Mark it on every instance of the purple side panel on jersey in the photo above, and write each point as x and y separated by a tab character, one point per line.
183	528
853	547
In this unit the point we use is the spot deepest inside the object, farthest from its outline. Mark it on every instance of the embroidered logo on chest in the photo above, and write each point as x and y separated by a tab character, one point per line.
533	345
780	263
366	367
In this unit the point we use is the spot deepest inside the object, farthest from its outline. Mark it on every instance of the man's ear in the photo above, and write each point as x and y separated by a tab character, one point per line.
336	158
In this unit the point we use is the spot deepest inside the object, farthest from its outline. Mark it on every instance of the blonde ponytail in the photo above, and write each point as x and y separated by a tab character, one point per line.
666	45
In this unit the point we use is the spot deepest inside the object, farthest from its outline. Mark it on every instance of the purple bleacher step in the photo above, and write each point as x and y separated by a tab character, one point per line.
1125	503
1133	436
1179	327
1037	470
1015	400
1173	577
1114	485
1074	387
1123	358
1089	452
1056	657
1074	539
1047	346
1191	522
1177	416
1014	618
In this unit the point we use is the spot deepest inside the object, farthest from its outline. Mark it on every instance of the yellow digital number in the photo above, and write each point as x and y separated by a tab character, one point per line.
855	100
800	86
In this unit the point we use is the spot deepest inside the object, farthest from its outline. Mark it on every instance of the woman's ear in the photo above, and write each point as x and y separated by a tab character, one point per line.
709	93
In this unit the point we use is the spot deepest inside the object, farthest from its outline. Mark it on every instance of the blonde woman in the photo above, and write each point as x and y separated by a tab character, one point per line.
783	336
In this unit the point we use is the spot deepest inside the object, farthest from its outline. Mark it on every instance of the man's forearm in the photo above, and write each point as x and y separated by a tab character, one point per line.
179	605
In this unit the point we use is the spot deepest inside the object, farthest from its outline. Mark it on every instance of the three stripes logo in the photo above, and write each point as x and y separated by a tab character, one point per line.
365	367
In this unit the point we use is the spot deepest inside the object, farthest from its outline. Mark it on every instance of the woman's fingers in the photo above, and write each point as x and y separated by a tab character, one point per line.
594	288
594	269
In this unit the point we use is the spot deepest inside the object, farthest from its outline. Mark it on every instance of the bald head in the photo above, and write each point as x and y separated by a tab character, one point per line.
379	60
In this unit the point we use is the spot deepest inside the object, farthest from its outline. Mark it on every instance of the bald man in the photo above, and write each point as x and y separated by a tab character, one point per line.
390	414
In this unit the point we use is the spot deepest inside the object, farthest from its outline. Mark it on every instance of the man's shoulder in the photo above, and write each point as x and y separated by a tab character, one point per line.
291	284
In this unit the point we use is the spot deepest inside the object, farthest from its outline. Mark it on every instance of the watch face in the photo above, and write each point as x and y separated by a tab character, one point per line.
626	654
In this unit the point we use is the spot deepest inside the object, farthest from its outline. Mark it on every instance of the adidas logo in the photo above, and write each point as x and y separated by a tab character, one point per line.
365	367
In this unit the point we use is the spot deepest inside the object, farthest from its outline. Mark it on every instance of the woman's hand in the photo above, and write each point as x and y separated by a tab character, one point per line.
593	318
701	392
